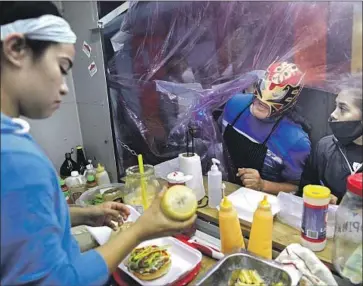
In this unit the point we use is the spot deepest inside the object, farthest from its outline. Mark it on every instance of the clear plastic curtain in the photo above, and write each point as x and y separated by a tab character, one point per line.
175	64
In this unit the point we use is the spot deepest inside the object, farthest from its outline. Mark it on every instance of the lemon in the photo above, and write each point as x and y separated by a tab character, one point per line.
179	203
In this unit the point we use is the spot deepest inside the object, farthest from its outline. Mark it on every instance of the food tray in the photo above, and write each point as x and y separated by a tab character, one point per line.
270	271
183	259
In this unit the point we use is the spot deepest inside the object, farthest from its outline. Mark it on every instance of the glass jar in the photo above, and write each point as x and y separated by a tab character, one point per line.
347	250
133	186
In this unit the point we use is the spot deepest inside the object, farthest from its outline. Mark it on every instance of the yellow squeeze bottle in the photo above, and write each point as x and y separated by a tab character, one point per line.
229	228
260	242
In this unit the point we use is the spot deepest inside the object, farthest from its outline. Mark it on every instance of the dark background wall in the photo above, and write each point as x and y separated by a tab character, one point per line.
317	105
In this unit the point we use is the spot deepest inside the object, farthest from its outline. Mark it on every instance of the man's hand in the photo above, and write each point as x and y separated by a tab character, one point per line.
333	200
251	179
105	214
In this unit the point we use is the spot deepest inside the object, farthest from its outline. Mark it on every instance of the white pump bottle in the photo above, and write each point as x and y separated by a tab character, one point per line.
214	185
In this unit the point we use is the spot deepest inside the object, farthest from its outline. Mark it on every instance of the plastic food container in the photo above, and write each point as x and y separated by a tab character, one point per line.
315	217
115	190
347	250
291	210
270	271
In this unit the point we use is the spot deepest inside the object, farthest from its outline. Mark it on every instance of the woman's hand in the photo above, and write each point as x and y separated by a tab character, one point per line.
105	214
251	179
153	223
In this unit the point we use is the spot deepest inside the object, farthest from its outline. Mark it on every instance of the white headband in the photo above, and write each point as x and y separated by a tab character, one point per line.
45	28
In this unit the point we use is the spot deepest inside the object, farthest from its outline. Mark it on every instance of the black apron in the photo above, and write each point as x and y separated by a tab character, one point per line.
243	152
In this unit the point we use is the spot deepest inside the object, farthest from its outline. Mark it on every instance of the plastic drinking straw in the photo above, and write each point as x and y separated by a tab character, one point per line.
143	183
188	142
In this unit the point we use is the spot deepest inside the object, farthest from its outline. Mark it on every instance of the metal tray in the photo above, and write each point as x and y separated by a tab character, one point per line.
270	271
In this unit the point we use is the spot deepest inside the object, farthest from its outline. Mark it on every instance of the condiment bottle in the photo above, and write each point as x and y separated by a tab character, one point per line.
81	159
90	170
260	242
315	217
214	185
177	178
229	228
347	249
68	166
91	182
102	177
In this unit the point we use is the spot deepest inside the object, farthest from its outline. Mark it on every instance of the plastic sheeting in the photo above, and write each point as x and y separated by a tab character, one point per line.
175	64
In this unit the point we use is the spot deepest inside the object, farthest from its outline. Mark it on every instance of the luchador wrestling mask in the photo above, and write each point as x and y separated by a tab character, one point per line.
280	87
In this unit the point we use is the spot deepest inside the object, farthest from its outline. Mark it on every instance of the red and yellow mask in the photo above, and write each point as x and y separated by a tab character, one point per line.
280	87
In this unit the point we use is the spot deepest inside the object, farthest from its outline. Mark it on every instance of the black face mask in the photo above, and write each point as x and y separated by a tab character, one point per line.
346	131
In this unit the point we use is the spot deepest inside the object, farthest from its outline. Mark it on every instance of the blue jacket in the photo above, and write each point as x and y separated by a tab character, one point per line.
288	146
36	242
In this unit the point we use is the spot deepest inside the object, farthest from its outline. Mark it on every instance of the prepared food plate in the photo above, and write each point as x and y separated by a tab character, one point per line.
174	260
177	258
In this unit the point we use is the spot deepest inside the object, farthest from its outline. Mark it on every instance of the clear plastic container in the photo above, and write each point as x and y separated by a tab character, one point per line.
291	211
133	186
76	184
110	192
347	250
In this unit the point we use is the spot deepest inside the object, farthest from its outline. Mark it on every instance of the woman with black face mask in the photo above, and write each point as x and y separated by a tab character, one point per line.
339	155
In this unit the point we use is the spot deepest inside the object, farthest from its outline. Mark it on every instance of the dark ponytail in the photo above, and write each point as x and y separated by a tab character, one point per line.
295	114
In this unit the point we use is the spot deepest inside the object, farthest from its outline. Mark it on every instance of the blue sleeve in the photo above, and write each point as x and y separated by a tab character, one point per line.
295	160
36	244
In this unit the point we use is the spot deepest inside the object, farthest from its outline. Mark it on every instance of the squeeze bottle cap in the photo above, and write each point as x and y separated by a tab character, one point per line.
354	184
214	167
89	166
74	173
264	204
100	168
226	204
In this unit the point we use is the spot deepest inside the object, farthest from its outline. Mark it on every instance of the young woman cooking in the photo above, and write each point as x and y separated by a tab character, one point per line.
37	50
264	136
339	155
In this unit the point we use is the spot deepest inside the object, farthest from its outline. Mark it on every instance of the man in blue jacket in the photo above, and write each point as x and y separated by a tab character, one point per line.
265	137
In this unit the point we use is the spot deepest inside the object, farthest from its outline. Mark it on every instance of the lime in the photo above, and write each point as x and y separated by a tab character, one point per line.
179	203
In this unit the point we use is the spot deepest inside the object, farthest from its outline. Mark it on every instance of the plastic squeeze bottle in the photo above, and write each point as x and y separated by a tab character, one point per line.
260	242
229	228
102	177
90	170
214	185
